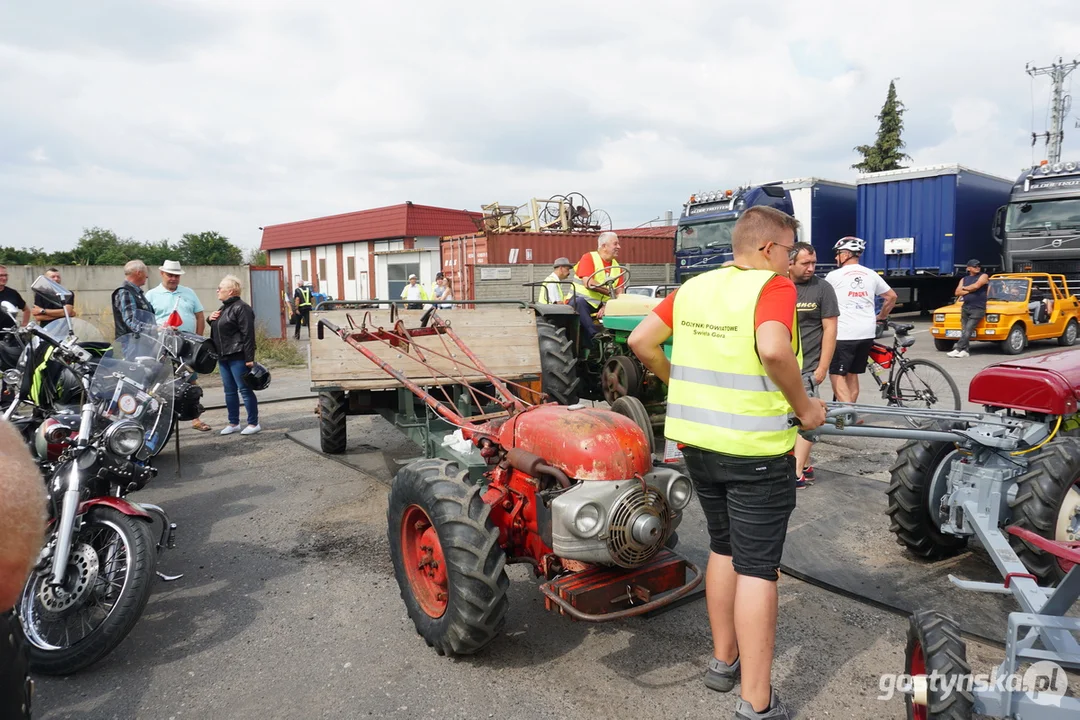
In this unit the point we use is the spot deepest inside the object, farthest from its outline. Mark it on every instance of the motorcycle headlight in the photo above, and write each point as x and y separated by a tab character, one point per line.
588	519
12	377
124	438
679	492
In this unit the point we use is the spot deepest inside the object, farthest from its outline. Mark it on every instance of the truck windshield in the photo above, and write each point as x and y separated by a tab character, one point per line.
1044	215
709	235
1015	290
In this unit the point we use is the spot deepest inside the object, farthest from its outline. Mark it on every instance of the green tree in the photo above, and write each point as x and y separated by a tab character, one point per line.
24	256
255	257
885	153
208	248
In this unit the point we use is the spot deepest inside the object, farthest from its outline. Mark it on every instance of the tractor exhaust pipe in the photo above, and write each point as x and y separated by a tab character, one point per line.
534	466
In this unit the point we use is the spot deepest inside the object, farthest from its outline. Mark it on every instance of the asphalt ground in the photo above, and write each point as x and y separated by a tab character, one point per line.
288	608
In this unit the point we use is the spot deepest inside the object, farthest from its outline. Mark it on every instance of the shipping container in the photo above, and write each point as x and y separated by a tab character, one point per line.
825	210
922	225
460	253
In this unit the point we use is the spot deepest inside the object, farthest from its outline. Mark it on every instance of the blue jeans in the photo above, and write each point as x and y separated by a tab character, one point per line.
232	379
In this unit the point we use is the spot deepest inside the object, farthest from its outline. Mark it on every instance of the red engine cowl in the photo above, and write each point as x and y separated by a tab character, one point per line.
585	443
1046	384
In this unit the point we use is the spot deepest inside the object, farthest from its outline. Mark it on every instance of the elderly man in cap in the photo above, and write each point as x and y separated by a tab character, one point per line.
555	290
169	297
415	293
972	293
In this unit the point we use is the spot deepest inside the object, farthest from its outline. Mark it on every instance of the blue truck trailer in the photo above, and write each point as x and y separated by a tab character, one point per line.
921	226
825	209
1040	227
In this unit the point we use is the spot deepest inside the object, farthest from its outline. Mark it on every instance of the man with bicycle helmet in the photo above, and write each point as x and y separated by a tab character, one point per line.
857	288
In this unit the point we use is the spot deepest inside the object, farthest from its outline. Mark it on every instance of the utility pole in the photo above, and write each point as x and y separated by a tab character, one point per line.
1059	105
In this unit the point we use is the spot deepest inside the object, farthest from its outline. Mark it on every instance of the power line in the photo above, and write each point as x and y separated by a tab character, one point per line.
1059	105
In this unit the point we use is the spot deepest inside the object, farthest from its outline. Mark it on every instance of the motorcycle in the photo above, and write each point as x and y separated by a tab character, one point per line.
93	576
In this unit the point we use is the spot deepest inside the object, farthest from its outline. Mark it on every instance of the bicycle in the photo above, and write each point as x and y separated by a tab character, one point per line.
911	383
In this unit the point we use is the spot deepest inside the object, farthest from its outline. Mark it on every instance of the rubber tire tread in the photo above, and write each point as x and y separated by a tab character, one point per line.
1052	470
333	414
633	408
910	518
1062	340
945	652
931	364
944	345
475	563
107	636
558	366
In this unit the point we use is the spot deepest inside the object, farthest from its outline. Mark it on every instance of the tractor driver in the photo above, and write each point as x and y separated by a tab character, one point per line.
591	291
734	384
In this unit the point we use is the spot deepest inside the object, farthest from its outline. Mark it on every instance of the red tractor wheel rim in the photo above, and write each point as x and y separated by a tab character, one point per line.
425	564
1069	507
918	667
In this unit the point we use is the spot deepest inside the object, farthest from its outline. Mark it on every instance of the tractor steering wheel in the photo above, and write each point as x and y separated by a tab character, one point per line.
619	273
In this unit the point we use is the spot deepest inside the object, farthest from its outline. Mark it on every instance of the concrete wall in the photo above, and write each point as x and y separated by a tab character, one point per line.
511	289
93	285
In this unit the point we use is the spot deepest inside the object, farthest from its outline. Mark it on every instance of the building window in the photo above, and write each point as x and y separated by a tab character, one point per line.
322	269
397	276
350	268
304	270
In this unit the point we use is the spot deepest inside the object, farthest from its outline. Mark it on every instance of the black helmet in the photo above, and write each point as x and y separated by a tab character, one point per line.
257	377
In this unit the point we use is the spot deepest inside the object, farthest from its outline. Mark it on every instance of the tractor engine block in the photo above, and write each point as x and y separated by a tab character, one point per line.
623	522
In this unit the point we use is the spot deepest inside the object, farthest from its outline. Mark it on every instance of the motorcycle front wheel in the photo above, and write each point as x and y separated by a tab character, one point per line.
107	584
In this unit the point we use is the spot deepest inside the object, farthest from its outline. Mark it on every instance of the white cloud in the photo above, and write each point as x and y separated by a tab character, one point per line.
156	119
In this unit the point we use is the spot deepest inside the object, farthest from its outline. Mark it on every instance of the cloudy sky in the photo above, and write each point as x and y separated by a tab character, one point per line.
159	117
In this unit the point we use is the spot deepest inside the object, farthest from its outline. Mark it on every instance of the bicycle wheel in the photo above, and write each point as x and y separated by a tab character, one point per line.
924	384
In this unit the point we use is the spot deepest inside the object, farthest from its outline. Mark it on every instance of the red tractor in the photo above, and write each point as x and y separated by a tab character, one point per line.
570	490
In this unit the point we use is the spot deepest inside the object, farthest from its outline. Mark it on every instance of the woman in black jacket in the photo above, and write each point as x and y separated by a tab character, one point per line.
232	328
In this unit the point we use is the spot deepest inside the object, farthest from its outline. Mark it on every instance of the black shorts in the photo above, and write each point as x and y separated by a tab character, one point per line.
747	503
850	357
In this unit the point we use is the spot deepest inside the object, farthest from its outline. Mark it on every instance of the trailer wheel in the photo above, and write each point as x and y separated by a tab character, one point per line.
918	483
1047	502
1016	342
558	366
944	345
934	647
449	566
1068	338
632	408
332	417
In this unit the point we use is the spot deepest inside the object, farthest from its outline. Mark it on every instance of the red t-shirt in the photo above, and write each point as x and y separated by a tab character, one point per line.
586	267
776	302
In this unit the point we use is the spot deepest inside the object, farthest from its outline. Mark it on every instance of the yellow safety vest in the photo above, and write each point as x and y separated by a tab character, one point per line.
305	298
598	263
551	291
719	396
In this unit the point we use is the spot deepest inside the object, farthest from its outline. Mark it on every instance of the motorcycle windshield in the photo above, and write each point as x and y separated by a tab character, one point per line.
133	381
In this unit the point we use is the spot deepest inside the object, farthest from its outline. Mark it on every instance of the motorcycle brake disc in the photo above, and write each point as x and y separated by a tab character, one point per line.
82	573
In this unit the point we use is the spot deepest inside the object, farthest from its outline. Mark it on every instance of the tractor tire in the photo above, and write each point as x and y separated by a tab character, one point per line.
944	345
558	366
632	408
449	566
1047	501
913	473
333	412
934	647
1017	340
1068	338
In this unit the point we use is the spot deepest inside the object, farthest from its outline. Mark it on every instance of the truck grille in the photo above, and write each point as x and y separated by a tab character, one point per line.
1068	268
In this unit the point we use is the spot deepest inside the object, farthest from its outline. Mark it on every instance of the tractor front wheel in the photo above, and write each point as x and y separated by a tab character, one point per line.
1047	502
919	476
935	648
447	559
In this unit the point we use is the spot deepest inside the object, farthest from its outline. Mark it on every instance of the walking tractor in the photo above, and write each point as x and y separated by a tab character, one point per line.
1009	477
570	490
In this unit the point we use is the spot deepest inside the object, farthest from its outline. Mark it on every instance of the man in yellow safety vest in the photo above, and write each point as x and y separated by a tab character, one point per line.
554	289
597	278
302	302
735	395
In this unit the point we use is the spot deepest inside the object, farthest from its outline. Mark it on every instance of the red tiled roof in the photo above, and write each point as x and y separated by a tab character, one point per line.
395	221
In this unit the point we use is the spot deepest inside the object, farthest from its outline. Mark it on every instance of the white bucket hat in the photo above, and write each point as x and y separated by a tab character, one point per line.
172	267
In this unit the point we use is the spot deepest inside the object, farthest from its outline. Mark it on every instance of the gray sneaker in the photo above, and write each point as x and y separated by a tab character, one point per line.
775	711
721	676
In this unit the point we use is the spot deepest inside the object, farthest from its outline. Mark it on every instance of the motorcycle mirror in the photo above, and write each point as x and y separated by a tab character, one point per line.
52	292
9	309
